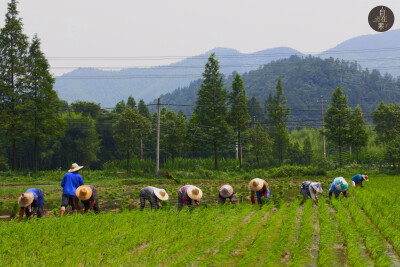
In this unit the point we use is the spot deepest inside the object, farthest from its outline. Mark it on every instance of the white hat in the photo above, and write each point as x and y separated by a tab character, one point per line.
257	184
75	167
226	191
25	199
161	194
317	187
194	192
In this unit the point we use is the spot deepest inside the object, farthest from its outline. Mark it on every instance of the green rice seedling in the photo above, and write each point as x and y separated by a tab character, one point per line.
373	240
328	236
301	253
281	246
257	252
351	237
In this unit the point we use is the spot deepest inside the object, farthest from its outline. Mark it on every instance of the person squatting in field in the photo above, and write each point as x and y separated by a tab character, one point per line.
71	181
357	180
226	191
87	194
31	202
310	189
260	188
339	185
187	193
153	195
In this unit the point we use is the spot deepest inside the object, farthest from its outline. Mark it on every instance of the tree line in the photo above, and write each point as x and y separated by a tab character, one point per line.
40	131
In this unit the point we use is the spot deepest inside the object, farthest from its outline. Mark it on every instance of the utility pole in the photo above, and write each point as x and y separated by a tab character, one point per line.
158	138
323	133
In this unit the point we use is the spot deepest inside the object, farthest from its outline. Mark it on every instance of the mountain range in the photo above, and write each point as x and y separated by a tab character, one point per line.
376	51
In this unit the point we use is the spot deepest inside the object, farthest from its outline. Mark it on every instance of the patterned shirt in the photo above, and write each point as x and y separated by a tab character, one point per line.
148	193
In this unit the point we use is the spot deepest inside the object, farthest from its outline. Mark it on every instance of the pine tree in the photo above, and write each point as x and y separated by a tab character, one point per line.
144	111
41	100
131	102
358	130
278	114
13	53
307	151
238	115
211	106
255	110
337	121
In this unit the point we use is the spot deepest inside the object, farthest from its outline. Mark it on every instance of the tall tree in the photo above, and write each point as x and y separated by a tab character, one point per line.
255	110
131	102
41	100
129	127
337	121
120	107
13	53
307	151
260	144
144	111
238	115
87	108
278	114
387	121
211	106
358	130
173	134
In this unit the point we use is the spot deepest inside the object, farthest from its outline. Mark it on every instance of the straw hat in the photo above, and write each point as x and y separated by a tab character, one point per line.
84	192
161	194
365	177
226	191
75	167
317	187
341	184
257	184
194	192
25	199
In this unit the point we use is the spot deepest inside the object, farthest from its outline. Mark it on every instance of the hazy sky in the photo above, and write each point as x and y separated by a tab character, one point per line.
176	28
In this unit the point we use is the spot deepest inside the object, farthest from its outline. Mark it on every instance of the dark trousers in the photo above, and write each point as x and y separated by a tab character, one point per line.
37	210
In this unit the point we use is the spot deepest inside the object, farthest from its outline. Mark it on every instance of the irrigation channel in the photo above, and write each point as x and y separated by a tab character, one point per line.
362	230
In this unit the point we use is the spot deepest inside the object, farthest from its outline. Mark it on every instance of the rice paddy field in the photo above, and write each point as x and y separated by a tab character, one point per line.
362	230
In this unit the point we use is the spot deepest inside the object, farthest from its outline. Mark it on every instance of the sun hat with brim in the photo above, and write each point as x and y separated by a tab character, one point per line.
256	184
194	193
365	177
83	192
75	167
226	191
161	194
25	199
341	184
317	187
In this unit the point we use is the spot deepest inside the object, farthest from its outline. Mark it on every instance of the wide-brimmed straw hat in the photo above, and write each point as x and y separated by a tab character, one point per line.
75	167
341	184
161	194
194	193
365	177
84	192
226	191
317	187
256	184
25	199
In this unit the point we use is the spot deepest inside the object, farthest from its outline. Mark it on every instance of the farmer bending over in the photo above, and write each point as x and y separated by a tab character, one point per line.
31	202
339	185
153	195
357	180
71	181
309	188
226	191
261	188
89	197
187	193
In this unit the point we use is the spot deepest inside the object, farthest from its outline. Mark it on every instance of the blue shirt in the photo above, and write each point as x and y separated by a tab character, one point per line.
334	190
38	197
70	182
260	195
358	179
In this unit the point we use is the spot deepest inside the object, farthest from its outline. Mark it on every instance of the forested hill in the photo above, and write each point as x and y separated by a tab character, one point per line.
305	80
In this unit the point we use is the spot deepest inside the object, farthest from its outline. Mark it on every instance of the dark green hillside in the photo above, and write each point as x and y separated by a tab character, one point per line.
304	80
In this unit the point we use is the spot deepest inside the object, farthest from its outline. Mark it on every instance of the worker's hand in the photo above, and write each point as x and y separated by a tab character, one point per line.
31	216
230	202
